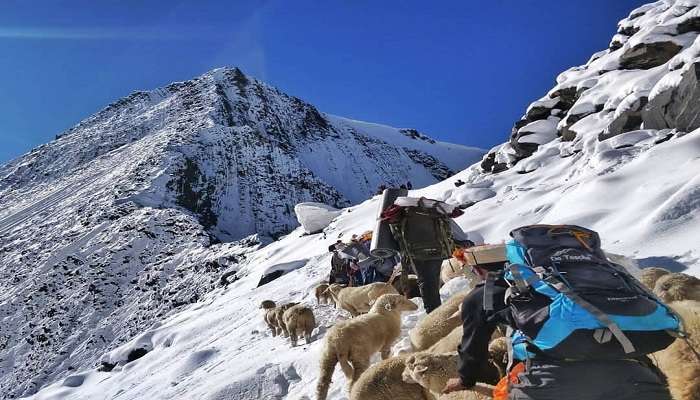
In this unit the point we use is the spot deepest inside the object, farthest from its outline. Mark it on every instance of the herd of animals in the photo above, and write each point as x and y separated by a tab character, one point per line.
421	374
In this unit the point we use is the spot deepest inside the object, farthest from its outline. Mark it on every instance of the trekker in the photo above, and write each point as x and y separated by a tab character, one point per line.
427	235
591	363
339	266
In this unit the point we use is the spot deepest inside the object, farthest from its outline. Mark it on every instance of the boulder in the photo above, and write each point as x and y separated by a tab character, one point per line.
526	140
648	55
314	217
678	106
626	121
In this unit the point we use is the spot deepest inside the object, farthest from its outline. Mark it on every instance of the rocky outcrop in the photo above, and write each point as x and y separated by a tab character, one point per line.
625	120
648	55
677	106
633	84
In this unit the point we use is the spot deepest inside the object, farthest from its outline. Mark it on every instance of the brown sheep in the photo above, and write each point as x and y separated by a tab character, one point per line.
383	381
352	342
358	300
650	275
411	289
677	286
678	362
438	323
432	371
268	307
279	318
299	321
322	297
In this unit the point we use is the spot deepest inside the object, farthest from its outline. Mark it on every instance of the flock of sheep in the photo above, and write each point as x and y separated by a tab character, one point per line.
422	373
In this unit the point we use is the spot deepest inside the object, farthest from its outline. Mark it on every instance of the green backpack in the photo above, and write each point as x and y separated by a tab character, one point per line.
422	231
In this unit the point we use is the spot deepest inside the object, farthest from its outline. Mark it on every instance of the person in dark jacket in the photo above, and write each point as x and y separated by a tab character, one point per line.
339	266
545	378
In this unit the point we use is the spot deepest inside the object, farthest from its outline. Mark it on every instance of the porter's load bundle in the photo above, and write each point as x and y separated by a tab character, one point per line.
487	254
383	243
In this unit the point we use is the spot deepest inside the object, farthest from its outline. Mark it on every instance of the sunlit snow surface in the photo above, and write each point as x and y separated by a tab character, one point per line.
639	190
642	199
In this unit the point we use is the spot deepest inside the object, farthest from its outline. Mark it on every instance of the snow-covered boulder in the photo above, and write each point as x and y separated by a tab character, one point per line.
314	217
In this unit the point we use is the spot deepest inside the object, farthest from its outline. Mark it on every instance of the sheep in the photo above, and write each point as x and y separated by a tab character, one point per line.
676	287
650	275
322	297
438	323
299	320
358	300
454	267
352	342
678	361
498	354
432	371
268	307
383	381
279	318
411	290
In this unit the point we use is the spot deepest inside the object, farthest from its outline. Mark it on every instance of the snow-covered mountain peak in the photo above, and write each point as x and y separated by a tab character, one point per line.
119	220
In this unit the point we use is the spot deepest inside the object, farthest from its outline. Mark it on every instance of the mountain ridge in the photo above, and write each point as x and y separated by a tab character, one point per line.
140	208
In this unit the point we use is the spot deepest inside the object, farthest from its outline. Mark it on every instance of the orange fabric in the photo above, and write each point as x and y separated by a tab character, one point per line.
500	391
458	253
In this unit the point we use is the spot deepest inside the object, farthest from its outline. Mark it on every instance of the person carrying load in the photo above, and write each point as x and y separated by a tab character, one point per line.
426	235
580	327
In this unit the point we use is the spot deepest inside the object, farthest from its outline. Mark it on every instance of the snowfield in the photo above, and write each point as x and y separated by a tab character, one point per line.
112	254
643	200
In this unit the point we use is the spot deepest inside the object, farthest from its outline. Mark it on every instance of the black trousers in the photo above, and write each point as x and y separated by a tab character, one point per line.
428	273
589	380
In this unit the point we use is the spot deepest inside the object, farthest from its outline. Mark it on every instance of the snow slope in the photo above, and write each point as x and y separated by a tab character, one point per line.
618	150
121	219
643	201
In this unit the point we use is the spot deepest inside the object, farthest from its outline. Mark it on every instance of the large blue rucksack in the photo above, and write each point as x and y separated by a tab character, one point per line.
569	302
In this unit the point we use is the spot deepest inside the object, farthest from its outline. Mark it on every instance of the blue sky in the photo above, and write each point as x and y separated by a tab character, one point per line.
461	71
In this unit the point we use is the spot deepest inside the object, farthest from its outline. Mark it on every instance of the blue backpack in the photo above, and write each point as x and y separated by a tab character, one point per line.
569	302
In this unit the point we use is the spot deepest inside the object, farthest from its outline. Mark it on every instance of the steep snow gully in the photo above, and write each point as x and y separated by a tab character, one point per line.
196	180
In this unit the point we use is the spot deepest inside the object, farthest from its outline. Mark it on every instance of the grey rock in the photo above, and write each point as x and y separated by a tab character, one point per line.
627	121
678	107
648	55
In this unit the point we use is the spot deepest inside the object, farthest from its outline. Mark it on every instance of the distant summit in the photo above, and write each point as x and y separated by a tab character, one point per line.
116	222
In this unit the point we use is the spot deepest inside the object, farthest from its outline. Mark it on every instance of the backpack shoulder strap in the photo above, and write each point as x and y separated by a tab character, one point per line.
596	312
488	291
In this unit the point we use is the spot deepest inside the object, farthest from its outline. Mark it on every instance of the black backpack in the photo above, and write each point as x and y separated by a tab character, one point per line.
423	231
569	302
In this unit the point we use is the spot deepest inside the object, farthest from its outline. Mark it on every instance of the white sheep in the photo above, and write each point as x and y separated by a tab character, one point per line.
352	342
454	267
677	286
432	371
438	323
358	300
299	321
678	361
650	275
383	381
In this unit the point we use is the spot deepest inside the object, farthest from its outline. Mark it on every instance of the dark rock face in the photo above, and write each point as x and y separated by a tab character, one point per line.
437	169
678	107
648	55
629	120
488	162
135	354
